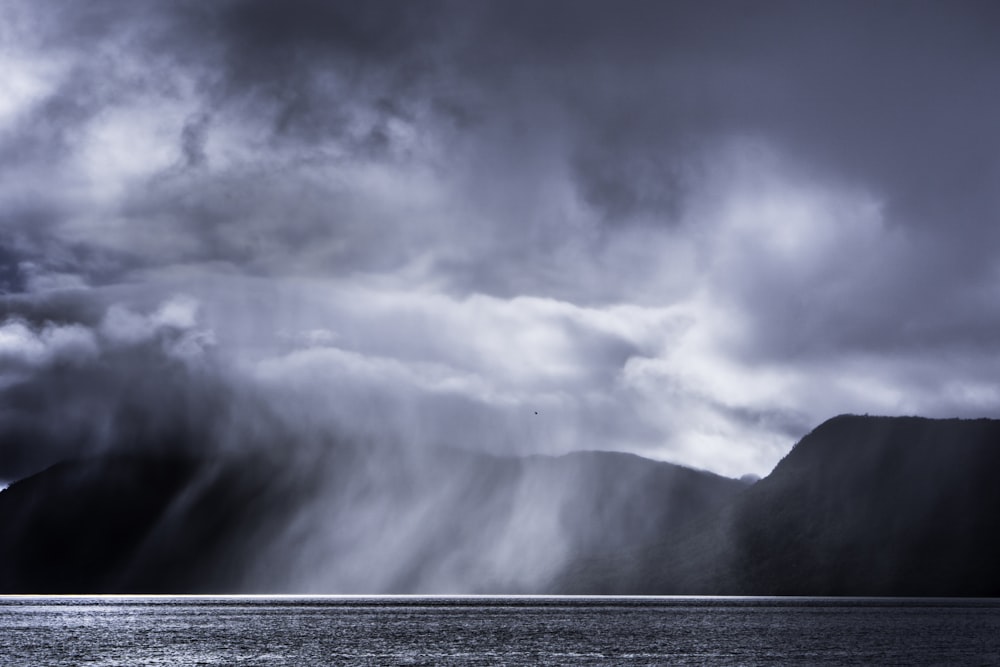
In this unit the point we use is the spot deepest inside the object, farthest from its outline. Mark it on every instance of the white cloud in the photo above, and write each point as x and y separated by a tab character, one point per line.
23	346
180	312
174	326
121	325
37	279
27	80
18	343
431	369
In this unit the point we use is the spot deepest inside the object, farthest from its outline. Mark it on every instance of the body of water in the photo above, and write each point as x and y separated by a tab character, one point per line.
274	631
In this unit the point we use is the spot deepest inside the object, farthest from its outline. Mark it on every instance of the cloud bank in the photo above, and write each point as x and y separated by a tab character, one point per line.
687	230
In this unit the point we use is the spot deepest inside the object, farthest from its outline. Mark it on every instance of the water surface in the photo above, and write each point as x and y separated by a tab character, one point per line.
273	631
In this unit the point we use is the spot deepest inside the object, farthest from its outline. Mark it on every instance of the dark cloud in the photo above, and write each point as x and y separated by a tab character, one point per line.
10	276
463	209
193	140
266	43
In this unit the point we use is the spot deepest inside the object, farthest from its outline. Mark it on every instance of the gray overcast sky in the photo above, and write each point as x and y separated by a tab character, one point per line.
691	230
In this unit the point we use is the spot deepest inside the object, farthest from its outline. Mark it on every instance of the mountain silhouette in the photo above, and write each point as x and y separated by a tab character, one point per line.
157	524
860	506
900	506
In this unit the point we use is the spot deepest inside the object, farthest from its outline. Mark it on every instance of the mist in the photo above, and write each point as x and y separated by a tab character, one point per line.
392	259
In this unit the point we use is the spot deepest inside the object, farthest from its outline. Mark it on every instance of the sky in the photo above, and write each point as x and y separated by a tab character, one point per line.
687	230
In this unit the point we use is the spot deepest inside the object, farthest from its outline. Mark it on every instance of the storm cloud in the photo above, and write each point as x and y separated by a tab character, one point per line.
689	230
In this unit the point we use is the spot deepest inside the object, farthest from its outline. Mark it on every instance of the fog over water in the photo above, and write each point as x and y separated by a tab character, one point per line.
688	230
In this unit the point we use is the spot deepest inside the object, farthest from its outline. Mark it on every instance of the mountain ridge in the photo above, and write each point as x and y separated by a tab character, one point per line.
859	506
129	523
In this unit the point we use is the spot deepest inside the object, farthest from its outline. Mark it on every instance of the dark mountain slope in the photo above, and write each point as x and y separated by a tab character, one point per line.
120	524
615	501
875	506
160	524
861	506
